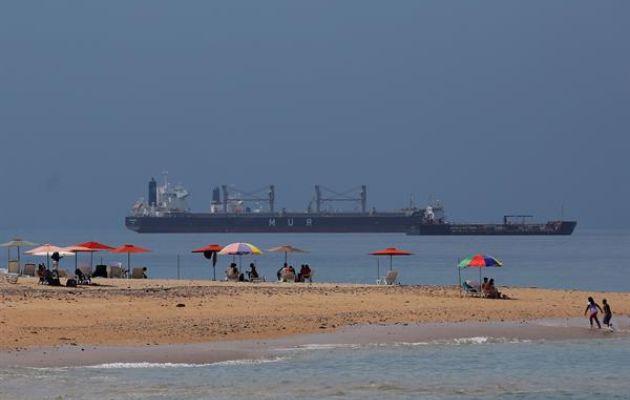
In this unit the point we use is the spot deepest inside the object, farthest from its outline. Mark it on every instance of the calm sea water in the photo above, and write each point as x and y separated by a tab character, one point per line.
465	369
468	369
589	259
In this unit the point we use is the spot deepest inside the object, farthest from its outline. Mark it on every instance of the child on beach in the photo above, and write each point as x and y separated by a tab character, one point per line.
591	309
607	315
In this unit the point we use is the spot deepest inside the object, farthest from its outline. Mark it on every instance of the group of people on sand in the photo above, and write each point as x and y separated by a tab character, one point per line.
592	309
489	290
287	273
232	273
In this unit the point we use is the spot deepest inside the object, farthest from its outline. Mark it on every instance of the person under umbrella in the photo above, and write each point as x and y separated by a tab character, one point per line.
477	261
48	250
240	249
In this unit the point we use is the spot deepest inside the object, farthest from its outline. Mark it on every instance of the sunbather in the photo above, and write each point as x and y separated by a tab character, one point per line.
231	273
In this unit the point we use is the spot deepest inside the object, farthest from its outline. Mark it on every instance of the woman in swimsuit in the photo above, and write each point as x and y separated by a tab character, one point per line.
591	309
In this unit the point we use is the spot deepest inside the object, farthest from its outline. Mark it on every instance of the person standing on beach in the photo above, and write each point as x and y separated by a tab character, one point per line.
607	315
591	309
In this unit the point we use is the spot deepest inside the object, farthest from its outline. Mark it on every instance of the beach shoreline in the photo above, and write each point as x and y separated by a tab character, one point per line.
203	321
423	334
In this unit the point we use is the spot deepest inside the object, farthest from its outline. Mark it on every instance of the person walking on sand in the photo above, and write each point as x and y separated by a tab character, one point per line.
591	309
607	315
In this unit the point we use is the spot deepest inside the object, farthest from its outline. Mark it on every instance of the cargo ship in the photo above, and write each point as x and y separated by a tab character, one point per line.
233	211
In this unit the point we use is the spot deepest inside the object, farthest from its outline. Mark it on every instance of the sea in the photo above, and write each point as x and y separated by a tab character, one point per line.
594	260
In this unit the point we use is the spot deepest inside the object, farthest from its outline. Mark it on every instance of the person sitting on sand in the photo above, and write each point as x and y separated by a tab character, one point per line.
491	291
252	273
591	309
305	273
41	273
279	273
231	273
484	286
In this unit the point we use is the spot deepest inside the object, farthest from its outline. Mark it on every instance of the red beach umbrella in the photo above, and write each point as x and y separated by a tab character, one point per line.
95	246
76	250
210	252
129	248
391	252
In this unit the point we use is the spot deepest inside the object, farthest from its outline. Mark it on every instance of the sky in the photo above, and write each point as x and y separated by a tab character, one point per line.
492	107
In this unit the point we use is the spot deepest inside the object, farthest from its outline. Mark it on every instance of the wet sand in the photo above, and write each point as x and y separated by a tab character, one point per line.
119	320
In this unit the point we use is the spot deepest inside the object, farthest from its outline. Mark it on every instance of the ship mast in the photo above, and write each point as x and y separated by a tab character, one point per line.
333	196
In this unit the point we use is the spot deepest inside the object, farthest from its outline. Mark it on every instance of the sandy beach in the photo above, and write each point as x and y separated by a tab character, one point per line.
168	312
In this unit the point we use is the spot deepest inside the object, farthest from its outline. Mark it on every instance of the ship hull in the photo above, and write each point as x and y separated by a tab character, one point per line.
332	223
549	228
262	223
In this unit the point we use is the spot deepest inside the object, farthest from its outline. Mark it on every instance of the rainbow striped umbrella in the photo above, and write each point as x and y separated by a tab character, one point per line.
477	261
240	249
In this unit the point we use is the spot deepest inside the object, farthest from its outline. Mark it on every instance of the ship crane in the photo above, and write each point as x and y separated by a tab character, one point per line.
333	196
233	196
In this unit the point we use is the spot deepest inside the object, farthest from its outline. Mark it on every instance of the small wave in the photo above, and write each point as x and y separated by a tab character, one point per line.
147	365
474	340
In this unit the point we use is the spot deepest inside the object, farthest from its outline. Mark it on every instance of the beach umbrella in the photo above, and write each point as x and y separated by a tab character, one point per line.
129	249
391	252
286	249
477	261
240	249
210	252
96	246
46	250
16	242
76	250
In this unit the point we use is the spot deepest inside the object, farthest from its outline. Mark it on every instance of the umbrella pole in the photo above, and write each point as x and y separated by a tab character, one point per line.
48	261
378	269
480	288
91	261
75	261
128	264
285	257
19	263
390	261
214	272
459	273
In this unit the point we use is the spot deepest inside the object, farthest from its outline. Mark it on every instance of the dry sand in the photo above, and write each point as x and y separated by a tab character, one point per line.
167	312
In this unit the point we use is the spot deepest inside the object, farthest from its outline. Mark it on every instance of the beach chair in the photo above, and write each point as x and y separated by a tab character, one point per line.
100	271
86	270
287	276
391	278
470	289
29	270
309	278
139	273
115	271
13	267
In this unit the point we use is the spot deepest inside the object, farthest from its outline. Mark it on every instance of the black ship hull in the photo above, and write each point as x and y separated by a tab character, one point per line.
272	223
330	223
549	228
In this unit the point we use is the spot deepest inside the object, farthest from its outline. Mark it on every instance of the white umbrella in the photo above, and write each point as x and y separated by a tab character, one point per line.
46	250
16	242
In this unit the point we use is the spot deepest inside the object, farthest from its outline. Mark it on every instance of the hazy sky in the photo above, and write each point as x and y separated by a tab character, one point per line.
491	106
